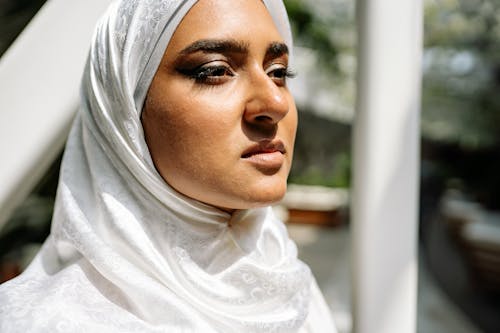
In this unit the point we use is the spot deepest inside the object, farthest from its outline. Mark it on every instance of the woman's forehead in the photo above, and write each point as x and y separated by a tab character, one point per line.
242	21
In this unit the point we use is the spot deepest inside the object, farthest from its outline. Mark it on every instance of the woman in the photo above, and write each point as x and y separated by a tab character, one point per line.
184	138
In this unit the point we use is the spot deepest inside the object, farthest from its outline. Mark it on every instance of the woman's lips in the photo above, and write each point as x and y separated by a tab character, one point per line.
267	156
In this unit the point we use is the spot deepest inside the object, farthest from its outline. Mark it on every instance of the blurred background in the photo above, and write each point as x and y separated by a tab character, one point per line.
459	232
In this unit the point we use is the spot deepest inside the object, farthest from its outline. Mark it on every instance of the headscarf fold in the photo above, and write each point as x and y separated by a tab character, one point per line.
127	253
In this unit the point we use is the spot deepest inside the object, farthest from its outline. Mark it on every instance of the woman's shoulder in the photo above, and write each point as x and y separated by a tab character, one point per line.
61	302
37	302
73	299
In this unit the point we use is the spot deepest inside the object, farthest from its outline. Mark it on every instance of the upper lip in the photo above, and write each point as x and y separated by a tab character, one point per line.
264	147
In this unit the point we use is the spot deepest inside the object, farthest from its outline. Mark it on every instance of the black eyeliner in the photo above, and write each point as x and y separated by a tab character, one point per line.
202	74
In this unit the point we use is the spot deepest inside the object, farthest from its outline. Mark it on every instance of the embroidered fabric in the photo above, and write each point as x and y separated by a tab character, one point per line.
127	253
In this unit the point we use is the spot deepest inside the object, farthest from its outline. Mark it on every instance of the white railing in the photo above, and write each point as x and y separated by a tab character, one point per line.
39	83
386	162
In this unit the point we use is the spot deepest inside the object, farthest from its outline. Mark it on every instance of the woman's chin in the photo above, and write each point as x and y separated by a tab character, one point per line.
265	195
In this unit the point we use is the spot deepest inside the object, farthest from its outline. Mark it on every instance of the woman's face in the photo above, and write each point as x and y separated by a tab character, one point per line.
219	120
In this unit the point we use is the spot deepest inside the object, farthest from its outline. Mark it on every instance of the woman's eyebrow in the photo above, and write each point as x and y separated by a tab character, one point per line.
276	49
216	46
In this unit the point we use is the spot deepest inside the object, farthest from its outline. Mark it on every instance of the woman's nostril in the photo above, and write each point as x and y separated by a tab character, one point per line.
263	118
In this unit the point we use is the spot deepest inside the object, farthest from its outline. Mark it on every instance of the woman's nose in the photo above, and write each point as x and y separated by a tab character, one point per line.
267	102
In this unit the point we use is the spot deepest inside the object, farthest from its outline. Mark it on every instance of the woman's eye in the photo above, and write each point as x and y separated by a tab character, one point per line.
209	74
280	73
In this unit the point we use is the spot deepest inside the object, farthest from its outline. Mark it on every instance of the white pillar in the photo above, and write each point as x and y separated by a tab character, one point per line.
39	82
386	162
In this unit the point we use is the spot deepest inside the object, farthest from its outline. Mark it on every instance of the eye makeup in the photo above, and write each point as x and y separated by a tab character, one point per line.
210	73
279	73
227	56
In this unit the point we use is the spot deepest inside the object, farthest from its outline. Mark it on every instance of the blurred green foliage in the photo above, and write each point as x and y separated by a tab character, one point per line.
461	82
338	176
313	31
460	96
322	148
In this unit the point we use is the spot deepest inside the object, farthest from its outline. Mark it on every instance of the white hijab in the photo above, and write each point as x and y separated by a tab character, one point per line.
127	253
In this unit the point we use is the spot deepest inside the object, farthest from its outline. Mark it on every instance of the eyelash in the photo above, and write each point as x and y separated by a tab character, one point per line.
214	74
210	74
285	73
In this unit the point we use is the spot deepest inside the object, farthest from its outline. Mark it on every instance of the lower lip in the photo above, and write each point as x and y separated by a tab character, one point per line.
267	161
